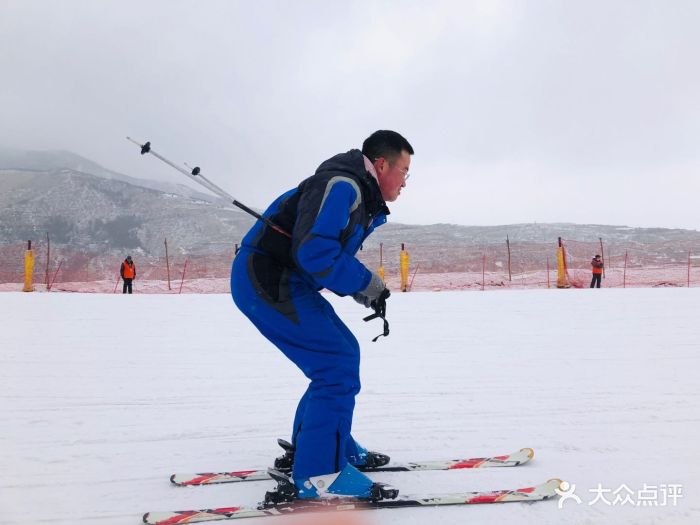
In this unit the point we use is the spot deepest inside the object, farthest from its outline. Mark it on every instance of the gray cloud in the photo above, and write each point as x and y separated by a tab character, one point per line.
518	111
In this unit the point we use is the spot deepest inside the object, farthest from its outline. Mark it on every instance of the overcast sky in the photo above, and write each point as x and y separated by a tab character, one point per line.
519	111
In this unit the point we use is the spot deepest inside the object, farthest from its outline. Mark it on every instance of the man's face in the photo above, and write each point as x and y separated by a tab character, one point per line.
392	175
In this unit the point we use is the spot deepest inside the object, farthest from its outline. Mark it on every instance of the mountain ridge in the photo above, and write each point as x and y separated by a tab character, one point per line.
109	212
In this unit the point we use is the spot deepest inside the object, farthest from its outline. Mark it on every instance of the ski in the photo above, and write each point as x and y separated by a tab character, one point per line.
515	459
527	494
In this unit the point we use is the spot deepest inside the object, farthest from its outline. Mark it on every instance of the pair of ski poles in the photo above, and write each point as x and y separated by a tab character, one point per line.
195	174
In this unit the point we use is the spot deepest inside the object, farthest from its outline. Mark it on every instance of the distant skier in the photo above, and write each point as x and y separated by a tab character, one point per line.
128	273
276	280
597	268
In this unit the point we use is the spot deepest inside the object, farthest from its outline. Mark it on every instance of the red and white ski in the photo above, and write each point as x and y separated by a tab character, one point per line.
515	459
527	494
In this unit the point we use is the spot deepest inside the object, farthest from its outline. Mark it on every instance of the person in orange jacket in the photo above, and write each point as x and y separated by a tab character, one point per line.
128	273
597	268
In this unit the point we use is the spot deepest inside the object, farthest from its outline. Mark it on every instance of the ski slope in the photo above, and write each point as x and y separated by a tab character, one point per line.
102	397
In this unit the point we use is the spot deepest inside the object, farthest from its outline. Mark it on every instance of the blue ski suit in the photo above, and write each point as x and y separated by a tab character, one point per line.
275	282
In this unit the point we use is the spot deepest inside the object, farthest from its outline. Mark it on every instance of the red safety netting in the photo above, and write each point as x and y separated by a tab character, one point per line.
434	267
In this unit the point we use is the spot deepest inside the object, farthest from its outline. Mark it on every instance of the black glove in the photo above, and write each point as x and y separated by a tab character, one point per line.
379	307
379	304
374	296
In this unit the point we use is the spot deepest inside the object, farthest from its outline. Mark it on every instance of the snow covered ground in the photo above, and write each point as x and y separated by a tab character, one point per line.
102	397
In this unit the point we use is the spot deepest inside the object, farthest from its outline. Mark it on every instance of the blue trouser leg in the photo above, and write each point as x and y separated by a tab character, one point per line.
352	452
351	448
325	351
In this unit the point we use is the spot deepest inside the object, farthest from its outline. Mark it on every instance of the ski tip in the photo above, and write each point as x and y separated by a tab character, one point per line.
529	451
145	517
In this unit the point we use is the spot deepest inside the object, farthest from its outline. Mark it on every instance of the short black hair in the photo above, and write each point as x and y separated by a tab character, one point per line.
385	143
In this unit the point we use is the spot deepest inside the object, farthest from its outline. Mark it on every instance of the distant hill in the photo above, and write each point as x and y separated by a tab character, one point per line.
56	161
87	207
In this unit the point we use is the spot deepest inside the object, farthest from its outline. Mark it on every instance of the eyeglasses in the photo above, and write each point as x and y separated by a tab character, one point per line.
404	171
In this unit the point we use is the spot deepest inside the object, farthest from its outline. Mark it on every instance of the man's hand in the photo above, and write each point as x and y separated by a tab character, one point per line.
372	292
379	307
362	299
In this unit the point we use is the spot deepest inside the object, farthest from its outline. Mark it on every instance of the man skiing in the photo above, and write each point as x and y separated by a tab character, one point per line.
309	243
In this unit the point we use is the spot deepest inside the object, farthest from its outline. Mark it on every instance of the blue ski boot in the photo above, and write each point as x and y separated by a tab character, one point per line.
359	456
348	483
366	460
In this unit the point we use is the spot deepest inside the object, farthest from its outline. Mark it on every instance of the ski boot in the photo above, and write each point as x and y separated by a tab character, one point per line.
285	461
364	460
348	483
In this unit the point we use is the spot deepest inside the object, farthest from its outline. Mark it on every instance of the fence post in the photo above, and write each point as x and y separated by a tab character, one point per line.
183	276
56	273
28	268
167	262
404	261
562	271
483	272
688	268
381	261
48	255
548	272
624	273
510	275
410	285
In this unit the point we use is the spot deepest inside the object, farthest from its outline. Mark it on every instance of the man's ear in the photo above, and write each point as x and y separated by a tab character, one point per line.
380	165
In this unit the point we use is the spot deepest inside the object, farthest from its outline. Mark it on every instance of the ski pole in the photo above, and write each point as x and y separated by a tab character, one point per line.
200	179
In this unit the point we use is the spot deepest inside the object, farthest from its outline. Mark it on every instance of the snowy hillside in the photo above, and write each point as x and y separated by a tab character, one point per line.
89	209
29	162
104	396
87	213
